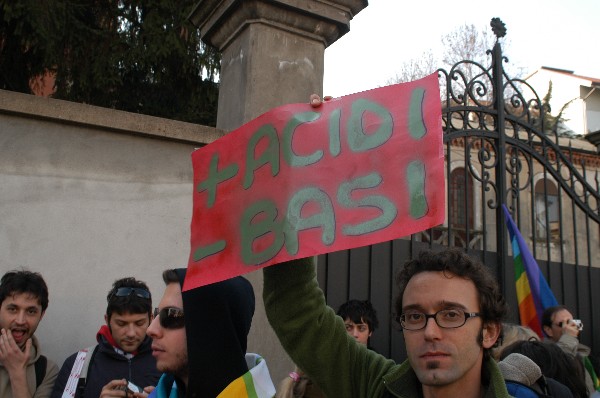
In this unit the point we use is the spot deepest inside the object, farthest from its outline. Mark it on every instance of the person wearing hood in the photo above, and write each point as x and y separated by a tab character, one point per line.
199	340
123	354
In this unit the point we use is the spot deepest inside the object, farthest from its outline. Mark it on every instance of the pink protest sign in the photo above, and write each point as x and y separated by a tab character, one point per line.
300	181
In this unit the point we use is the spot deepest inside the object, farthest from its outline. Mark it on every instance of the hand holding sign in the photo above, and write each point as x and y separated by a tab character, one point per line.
300	181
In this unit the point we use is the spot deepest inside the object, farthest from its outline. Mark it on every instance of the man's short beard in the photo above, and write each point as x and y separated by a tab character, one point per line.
180	371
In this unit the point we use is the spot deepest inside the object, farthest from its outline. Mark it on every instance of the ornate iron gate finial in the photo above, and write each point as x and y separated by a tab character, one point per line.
498	27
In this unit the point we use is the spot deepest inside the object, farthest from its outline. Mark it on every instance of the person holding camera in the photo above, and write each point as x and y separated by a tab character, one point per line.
122	360
560	327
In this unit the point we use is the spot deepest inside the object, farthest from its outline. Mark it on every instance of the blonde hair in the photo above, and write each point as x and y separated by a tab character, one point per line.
512	333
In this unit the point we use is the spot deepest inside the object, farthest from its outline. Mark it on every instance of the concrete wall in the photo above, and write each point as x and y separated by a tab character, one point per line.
89	195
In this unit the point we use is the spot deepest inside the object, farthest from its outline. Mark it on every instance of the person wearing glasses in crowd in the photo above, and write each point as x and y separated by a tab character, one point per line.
199	340
450	310
122	359
24	371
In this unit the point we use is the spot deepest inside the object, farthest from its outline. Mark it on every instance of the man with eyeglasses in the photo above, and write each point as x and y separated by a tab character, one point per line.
450	310
122	359
199	340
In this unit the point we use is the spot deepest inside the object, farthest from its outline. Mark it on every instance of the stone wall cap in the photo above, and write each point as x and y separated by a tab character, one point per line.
105	118
220	21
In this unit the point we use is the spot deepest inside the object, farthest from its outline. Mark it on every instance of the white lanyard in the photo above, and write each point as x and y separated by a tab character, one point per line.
71	386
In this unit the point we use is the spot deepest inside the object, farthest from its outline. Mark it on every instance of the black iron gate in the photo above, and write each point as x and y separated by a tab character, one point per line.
500	149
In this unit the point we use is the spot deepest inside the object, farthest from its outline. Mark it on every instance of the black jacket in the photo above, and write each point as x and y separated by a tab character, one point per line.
107	365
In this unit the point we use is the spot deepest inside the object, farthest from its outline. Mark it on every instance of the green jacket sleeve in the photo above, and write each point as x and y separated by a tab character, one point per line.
315	337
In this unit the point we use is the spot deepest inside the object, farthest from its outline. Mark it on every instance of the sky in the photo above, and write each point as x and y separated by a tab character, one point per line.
556	33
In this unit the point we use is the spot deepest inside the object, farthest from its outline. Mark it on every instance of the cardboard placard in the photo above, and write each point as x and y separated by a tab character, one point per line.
300	181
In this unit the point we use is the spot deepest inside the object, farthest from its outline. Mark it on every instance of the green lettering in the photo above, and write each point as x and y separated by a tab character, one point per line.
205	251
295	223
357	139
388	210
289	155
251	231
214	178
415	176
334	132
416	124
270	155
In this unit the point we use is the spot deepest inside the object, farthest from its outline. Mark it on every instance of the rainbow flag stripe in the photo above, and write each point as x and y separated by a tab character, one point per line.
256	383
533	292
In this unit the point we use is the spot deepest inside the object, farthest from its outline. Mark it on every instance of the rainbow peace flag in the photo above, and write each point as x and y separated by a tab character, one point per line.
533	293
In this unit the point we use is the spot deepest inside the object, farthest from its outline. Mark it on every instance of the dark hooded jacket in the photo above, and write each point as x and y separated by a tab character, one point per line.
107	364
217	321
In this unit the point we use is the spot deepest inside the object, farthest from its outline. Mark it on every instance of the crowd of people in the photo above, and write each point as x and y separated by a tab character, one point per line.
194	344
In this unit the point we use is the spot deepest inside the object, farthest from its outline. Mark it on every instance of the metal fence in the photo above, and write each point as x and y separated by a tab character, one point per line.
501	147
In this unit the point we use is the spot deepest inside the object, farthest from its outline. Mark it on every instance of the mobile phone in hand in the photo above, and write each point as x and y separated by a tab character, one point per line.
132	388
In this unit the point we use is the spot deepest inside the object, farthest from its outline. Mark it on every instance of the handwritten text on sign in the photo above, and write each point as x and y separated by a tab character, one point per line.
300	181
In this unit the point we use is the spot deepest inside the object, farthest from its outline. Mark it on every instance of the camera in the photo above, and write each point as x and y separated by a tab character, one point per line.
578	323
132	388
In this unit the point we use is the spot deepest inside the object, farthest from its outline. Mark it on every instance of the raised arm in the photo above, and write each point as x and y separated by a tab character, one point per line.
315	337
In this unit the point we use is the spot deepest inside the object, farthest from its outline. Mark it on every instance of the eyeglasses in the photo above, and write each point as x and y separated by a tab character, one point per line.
447	319
170	317
128	291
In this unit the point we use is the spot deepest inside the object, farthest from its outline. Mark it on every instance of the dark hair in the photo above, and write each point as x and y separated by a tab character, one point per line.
132	303
170	276
359	311
492	306
549	313
16	282
553	362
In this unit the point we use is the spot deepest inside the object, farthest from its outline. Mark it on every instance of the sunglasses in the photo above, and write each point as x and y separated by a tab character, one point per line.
128	291
170	317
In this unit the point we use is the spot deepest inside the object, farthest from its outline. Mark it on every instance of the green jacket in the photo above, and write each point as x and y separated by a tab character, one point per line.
316	340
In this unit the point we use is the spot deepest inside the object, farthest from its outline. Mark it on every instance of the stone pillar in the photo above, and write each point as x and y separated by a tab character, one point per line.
272	51
272	54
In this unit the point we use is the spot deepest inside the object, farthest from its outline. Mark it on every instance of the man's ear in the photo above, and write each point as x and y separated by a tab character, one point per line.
106	319
41	316
491	332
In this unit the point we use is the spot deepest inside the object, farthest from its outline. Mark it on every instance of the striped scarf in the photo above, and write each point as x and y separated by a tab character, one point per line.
590	368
